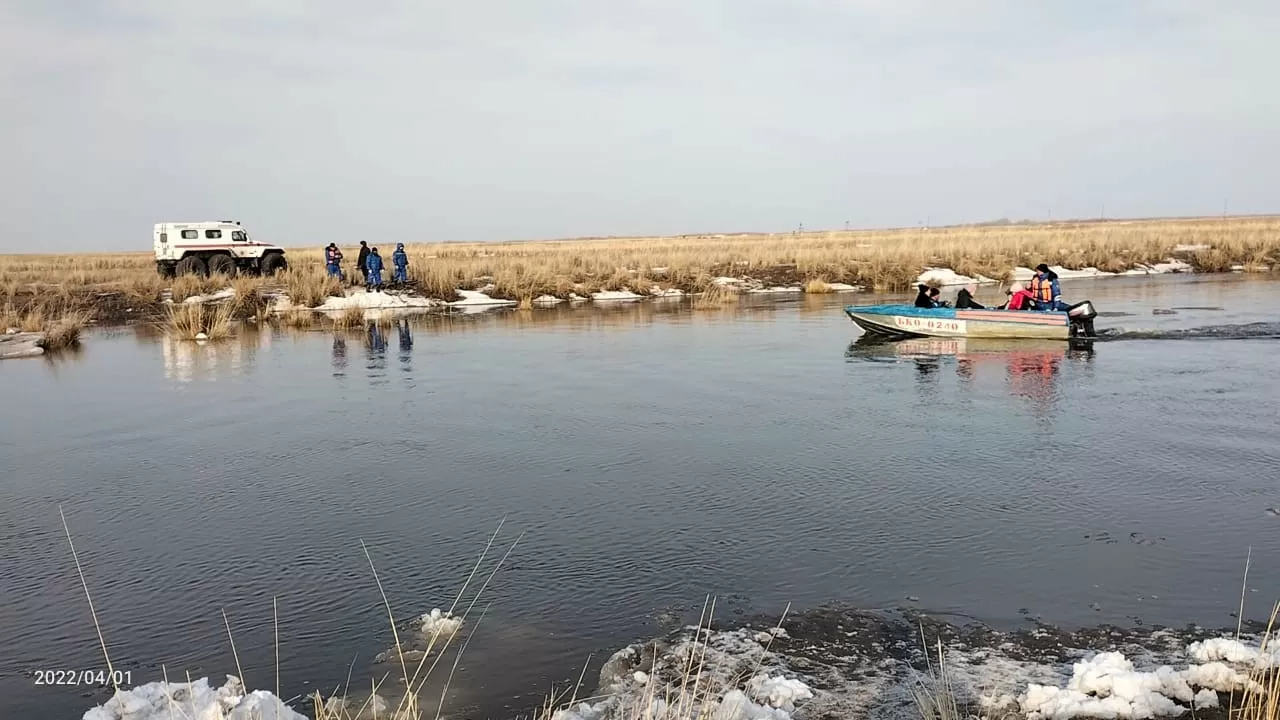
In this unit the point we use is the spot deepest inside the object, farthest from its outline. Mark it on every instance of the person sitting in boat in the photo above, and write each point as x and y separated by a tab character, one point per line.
926	297
1045	293
965	301
1019	298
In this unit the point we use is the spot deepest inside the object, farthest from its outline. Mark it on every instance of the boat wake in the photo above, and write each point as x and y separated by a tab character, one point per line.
1248	331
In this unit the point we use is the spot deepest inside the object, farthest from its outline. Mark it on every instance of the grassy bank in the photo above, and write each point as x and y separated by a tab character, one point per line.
875	259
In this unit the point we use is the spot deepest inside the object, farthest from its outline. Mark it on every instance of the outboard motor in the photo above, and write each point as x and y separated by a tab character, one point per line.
1081	317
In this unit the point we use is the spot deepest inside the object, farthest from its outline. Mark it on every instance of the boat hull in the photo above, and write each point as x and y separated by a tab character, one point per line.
910	321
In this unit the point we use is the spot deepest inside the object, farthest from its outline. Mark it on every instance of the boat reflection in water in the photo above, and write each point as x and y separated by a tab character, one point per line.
1031	367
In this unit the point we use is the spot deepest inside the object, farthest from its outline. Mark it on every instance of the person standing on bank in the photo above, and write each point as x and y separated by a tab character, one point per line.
400	261
373	278
362	261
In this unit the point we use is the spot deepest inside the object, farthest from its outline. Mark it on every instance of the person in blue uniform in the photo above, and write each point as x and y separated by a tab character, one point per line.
400	261
374	266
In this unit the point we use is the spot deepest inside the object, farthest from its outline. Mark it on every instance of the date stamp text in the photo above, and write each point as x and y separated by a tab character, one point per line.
83	677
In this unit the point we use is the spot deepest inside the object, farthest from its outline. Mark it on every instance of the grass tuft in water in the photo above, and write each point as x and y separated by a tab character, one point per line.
65	331
188	321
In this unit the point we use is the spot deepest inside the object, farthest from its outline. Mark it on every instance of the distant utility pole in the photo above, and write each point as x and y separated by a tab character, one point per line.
846	226
1224	209
1104	211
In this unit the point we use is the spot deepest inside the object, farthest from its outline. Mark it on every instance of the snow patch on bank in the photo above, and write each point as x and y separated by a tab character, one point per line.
366	300
775	290
647	681
164	701
547	300
843	287
946	277
658	292
473	298
615	296
1023	275
219	296
1108	686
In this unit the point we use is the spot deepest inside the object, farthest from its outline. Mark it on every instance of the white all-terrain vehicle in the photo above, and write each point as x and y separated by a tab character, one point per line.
216	246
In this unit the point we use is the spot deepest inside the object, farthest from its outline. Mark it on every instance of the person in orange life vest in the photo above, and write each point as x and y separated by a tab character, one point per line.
1044	289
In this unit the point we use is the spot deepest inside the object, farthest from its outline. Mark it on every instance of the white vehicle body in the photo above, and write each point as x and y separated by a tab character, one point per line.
198	248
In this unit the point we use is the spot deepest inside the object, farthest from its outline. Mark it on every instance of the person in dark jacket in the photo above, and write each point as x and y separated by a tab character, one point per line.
400	261
362	261
965	301
373	266
926	297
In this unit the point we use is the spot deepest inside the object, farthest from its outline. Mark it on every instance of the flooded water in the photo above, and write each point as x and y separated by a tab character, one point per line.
650	455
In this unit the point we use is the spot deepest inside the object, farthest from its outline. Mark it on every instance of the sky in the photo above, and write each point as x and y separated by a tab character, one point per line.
313	121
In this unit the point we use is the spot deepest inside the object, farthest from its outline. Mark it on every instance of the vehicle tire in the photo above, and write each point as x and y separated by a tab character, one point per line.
273	263
222	264
166	270
192	265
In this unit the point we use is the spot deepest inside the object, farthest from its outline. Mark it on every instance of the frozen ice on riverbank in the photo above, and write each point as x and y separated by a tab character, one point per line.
196	700
858	664
1108	686
615	296
473	298
947	277
366	300
224	294
1022	274
731	671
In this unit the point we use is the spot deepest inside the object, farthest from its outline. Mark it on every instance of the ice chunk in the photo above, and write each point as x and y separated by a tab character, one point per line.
195	700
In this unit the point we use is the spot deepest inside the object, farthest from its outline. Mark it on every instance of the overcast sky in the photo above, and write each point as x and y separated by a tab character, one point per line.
397	120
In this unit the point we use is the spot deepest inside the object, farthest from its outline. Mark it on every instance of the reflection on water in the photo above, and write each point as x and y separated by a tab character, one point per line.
339	355
406	344
1031	367
188	360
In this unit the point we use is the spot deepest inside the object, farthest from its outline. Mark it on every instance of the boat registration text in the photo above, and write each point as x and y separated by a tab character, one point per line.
934	324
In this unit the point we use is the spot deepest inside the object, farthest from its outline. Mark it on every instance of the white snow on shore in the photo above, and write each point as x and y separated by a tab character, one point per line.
947	277
476	298
1022	275
658	292
775	290
737	679
377	301
1233	651
223	294
547	300
195	700
843	287
1108	686
615	296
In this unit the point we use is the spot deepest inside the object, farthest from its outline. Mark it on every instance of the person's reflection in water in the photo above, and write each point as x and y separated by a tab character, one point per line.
339	355
376	347
406	343
1034	376
927	376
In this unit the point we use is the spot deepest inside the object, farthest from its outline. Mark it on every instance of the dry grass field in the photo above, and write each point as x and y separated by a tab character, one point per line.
114	286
